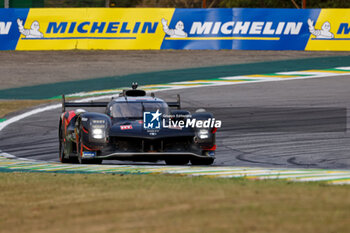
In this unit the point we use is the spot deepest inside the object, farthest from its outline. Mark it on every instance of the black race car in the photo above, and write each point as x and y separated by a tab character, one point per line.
136	127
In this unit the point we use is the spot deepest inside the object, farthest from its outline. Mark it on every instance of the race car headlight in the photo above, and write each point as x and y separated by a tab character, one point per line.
98	133
203	134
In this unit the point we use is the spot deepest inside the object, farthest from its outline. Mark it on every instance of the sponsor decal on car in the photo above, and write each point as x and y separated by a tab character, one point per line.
89	154
125	127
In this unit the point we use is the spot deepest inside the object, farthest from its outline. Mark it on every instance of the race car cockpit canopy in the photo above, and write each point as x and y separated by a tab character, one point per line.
135	110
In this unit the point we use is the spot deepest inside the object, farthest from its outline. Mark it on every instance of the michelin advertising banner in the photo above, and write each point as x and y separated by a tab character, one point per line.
168	28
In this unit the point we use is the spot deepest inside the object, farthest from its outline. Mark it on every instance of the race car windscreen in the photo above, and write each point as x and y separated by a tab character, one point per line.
135	110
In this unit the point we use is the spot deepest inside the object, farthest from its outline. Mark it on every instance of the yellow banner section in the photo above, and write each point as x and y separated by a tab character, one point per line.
93	28
331	31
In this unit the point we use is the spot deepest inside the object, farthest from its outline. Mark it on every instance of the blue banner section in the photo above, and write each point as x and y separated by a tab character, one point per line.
9	32
239	28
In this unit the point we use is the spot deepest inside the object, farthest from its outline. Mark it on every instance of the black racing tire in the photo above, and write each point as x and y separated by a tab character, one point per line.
61	154
202	161
66	160
177	161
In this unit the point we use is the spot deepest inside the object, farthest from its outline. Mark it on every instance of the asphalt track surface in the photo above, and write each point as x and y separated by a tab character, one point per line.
35	137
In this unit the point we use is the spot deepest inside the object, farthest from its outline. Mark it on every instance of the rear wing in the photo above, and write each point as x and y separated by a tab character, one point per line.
81	104
176	104
65	104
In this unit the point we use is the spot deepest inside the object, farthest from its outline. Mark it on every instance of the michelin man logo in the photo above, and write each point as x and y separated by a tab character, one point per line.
33	32
323	33
178	32
151	120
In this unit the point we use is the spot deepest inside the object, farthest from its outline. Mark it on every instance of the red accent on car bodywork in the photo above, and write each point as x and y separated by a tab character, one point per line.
77	140
71	115
85	130
65	121
88	148
125	127
210	148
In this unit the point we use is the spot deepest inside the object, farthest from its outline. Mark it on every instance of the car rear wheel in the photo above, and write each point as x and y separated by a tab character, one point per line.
62	155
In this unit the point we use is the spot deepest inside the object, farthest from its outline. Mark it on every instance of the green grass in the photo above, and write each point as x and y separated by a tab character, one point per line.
9	106
34	202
